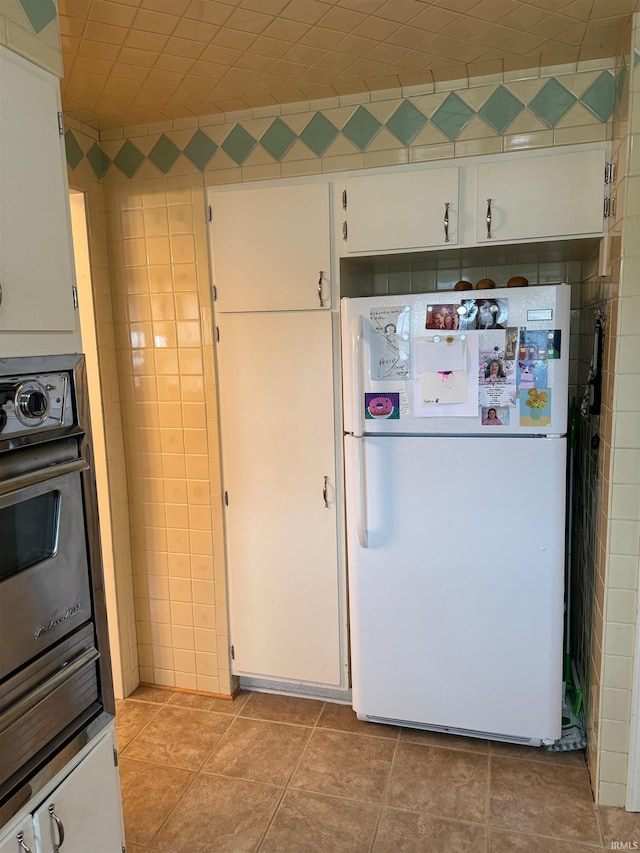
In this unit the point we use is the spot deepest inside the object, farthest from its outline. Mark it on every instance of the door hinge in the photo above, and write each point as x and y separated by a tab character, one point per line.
217	334
607	208
610	173
209	213
74	291
344	230
115	757
60	124
344	199
214	292
226	498
233	653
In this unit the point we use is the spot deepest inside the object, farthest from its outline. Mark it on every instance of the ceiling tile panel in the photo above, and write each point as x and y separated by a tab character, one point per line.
209	11
342	20
305	11
104	12
248	21
401	11
186	48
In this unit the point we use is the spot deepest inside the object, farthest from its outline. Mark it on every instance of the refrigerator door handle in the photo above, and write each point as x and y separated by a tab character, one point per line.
357	332
361	517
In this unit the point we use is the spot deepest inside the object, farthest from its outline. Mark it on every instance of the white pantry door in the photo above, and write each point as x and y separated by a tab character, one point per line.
278	446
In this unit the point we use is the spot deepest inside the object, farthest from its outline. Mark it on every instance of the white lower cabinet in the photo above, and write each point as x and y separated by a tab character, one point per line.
82	814
279	467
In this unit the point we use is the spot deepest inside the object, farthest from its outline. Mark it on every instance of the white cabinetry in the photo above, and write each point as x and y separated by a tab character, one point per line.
401	210
19	837
81	812
558	195
278	457
278	433
271	247
36	267
542	195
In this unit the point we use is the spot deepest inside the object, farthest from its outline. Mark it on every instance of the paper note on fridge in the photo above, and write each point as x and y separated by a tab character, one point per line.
439	353
447	387
449	404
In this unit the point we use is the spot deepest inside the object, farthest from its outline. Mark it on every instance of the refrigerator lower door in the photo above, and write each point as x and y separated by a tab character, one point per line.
456	582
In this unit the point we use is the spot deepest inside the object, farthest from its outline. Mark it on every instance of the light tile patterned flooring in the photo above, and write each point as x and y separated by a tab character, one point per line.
276	774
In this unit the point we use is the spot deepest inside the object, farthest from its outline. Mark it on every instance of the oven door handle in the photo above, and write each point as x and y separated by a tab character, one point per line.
31	699
11	484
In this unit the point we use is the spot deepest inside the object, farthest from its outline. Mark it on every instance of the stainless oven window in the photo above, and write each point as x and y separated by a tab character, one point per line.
29	532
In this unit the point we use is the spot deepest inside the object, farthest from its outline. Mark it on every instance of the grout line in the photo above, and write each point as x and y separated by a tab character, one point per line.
289	778
376	827
487	809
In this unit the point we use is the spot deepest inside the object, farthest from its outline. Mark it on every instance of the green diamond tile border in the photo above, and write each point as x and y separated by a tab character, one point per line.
73	151
98	161
164	154
278	139
601	95
361	128
200	149
406	122
452	115
552	102
500	109
636	59
129	159
39	13
239	144
318	134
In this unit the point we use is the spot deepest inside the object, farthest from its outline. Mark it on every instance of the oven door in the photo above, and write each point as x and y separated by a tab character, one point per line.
44	576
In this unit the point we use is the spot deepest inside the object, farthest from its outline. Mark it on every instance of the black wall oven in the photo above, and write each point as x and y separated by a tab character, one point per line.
55	678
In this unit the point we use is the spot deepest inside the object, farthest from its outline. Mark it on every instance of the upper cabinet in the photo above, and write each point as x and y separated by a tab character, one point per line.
400	210
271	247
500	198
36	253
558	195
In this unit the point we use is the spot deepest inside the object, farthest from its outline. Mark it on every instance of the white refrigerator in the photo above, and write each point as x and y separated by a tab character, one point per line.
455	415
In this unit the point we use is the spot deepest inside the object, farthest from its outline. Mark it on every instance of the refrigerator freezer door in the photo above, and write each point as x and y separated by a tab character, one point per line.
388	352
456	582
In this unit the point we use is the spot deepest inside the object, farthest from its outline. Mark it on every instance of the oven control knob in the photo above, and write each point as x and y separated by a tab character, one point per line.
32	403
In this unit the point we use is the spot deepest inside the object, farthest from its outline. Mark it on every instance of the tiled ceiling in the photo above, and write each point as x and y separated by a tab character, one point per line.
130	62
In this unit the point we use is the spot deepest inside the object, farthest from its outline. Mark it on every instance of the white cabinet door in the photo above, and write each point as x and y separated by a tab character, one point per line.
36	270
558	195
21	833
87	804
278	459
270	247
401	211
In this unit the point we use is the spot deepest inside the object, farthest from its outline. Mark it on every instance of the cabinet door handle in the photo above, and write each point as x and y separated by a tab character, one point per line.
446	222
59	827
23	847
488	219
325	492
320	289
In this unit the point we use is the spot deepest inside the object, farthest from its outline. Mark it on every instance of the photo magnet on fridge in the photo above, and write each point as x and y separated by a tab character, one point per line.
539	344
535	407
380	406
